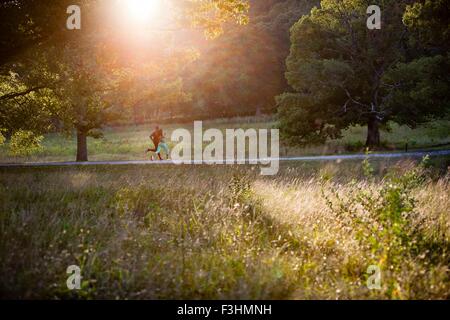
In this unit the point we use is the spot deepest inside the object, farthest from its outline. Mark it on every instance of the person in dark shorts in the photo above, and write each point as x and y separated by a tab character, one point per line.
156	137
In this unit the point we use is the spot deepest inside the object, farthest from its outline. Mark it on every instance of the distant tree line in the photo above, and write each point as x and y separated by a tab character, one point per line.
237	74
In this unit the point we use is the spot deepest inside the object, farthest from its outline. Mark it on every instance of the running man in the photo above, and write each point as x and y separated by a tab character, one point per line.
157	137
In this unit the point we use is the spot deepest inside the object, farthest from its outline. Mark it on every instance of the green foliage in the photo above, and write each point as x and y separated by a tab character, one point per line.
25	143
428	20
83	86
367	166
385	219
344	74
240	72
2	137
300	120
421	82
211	15
25	103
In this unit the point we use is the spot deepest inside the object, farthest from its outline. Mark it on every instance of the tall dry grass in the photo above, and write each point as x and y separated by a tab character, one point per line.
225	232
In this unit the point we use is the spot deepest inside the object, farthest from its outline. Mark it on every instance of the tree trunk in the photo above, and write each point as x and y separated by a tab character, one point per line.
82	154
373	132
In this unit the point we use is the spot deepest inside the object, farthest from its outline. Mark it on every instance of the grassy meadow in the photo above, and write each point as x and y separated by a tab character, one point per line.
130	142
226	232
209	232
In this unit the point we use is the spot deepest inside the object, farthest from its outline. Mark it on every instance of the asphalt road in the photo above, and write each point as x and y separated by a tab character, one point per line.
416	154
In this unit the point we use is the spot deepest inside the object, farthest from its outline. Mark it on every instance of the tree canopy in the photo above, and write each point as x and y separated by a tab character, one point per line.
76	79
344	74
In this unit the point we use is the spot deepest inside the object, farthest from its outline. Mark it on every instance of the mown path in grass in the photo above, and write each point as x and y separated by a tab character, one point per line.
416	154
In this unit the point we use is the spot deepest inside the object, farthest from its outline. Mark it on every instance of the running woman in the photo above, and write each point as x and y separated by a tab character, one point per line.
156	137
162	146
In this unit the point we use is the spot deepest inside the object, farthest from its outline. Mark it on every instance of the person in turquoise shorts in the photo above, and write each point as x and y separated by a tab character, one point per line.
159	143
162	146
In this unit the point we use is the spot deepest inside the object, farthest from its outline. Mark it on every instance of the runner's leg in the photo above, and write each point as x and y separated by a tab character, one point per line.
158	151
154	149
166	149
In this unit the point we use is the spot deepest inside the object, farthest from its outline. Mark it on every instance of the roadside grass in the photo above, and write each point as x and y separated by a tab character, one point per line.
130	143
397	138
209	232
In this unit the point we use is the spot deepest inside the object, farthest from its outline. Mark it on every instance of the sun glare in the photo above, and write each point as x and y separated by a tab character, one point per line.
141	11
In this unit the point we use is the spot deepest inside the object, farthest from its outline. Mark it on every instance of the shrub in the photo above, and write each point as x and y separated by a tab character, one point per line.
2	137
384	220
25	143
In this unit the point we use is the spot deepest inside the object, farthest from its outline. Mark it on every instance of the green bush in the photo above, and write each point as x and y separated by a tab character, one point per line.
25	143
384	219
2	137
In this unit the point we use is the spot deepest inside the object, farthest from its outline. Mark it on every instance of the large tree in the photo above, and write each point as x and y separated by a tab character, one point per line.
344	74
85	88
